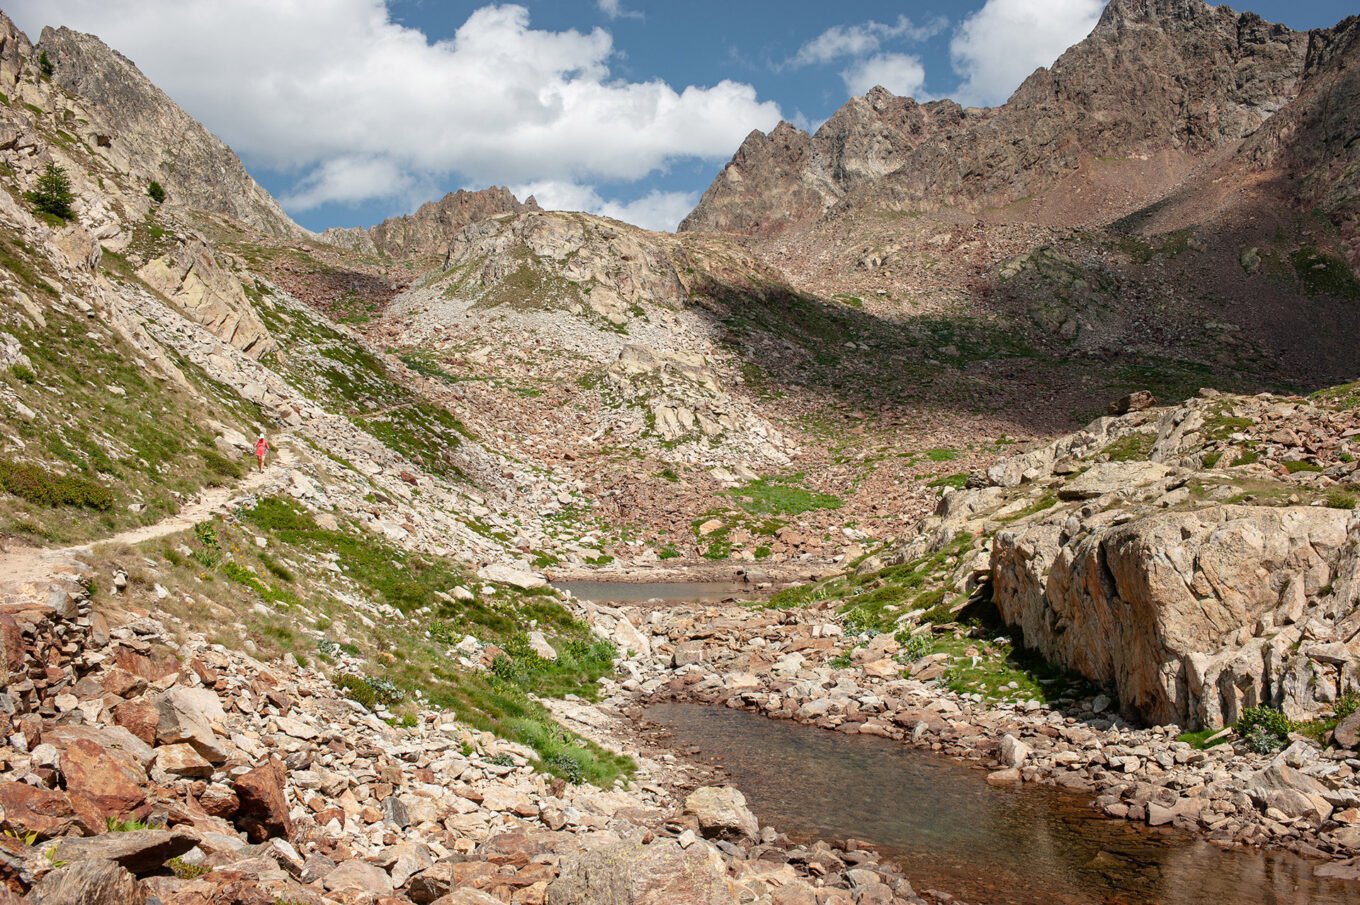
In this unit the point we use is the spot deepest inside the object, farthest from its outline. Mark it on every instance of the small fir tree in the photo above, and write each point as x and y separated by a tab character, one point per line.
53	196
45	64
156	191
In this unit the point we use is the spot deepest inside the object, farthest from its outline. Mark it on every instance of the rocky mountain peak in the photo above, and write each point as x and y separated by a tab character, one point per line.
158	139
1127	12
429	231
788	177
1155	77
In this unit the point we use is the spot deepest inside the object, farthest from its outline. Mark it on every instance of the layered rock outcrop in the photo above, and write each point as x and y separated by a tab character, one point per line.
1192	616
1156	553
150	137
190	277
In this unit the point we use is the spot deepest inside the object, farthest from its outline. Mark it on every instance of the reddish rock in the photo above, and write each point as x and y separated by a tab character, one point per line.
264	807
150	668
95	882
140	851
183	760
219	801
138	717
122	683
28	809
11	644
102	782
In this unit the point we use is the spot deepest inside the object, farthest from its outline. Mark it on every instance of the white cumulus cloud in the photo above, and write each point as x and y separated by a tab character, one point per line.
1000	45
656	209
901	73
842	41
359	107
613	9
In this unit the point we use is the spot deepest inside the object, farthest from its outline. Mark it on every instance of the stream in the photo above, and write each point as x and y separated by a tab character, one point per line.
947	829
661	591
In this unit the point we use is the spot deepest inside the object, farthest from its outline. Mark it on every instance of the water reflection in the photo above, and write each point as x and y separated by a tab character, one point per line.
949	830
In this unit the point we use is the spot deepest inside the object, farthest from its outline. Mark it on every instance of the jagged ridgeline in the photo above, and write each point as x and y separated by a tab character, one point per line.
865	385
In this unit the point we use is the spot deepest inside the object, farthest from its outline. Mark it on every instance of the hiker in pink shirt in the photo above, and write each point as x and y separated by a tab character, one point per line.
261	447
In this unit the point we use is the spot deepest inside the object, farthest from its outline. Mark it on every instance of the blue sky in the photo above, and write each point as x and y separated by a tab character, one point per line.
353	110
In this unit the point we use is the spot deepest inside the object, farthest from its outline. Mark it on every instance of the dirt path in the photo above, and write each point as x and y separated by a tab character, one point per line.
25	571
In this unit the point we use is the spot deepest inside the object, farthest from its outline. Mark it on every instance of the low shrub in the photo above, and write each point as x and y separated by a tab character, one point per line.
1263	729
41	487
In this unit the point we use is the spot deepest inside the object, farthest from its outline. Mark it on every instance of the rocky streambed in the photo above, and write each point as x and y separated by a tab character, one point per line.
946	828
1118	811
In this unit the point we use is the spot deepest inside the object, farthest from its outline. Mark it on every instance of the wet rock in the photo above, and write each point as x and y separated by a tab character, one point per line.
722	812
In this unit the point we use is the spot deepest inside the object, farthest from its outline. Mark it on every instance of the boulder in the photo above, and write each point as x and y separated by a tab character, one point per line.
629	873
540	646
1013	752
263	810
467	896
139	851
186	715
29	809
358	876
102	781
1163	606
1347	732
722	812
502	573
88	883
183	760
1134	402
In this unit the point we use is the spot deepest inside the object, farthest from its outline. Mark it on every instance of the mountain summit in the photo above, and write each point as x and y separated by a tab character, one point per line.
1155	77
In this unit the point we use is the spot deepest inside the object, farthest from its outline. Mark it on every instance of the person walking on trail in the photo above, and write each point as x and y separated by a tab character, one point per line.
261	448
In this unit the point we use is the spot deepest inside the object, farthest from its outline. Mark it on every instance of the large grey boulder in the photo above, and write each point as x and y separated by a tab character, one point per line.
629	873
1175	609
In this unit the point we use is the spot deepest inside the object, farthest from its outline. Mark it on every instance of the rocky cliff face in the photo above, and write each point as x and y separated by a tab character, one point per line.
152	138
1312	142
1155	76
430	230
1197	559
789	177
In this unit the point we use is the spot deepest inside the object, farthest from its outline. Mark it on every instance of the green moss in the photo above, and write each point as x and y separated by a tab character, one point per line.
1047	500
1300	465
957	481
1135	447
1199	738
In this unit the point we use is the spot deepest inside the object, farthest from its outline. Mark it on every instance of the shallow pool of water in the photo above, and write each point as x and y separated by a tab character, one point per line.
948	830
663	591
